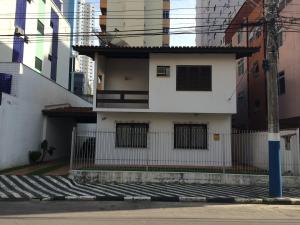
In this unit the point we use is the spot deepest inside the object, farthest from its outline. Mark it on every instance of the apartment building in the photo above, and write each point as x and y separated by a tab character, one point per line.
85	26
213	17
252	83
135	22
34	75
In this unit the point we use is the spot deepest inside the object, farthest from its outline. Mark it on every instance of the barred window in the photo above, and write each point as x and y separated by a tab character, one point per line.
131	135
190	136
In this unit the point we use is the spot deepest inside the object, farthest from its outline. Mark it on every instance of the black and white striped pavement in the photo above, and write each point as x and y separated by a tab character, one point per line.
62	188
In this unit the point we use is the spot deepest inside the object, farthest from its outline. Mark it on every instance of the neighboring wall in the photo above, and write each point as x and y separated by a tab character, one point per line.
160	150
21	120
251	149
214	16
289	52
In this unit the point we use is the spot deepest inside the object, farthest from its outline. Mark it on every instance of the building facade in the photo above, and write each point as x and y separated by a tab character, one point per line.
288	68
34	74
181	94
36	42
252	87
135	22
213	17
85	26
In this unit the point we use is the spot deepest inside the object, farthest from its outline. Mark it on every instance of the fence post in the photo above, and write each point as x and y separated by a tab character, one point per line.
297	155
72	147
223	152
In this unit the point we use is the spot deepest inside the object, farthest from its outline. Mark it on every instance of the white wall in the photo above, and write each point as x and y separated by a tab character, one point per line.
251	148
160	149
7	27
127	74
21	119
163	96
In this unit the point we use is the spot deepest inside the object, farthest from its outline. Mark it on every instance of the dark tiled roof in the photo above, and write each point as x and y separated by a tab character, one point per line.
144	52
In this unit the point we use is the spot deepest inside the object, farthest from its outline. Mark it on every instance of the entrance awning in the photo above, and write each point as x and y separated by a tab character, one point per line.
79	114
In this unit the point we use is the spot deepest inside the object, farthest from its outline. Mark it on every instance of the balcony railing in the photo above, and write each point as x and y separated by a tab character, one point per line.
122	99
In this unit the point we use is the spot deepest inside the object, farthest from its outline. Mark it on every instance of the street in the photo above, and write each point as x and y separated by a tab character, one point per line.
150	213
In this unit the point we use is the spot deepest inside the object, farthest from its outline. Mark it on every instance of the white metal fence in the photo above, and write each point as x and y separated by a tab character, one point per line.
236	152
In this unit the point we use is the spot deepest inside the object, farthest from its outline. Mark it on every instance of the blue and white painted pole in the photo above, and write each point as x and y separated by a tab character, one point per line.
275	179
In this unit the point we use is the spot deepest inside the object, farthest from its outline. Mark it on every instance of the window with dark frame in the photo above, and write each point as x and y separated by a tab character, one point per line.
190	136
194	78
241	67
163	71
281	83
40	27
38	64
131	135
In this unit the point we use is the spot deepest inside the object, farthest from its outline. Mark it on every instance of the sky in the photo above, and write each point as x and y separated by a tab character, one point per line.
184	39
176	39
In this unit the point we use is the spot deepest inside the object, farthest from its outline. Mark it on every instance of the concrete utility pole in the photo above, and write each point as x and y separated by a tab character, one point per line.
275	180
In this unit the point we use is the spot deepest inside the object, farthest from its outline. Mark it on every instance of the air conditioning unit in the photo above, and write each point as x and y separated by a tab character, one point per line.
19	31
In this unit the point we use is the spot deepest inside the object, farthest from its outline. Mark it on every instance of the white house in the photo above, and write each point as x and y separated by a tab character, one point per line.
164	106
34	75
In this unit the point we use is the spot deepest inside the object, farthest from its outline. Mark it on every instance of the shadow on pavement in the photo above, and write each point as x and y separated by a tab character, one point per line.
31	208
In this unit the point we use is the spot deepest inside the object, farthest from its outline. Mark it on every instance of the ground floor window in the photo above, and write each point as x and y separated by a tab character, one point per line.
131	135
190	136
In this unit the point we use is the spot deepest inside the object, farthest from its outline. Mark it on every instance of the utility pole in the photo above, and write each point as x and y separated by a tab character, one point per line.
270	64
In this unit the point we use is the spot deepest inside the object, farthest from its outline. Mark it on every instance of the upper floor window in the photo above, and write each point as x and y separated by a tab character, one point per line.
255	69
280	38
40	27
281	83
241	67
240	36
166	30
166	14
194	78
38	64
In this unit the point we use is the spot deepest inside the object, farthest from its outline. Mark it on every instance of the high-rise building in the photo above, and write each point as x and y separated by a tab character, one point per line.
138	23
34	75
33	38
85	26
213	17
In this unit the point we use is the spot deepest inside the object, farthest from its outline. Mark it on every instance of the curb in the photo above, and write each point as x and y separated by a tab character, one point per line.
186	199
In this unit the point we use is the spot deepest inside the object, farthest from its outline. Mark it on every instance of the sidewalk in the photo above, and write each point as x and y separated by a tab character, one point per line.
62	188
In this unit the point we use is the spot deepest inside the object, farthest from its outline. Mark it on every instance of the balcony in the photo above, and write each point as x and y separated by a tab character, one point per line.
103	20
103	4
122	99
166	23
166	5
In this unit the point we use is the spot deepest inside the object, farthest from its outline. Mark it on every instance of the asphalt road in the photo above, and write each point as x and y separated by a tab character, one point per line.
143	213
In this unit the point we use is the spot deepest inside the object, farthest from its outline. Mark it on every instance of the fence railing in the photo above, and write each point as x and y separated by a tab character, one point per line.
181	151
122	98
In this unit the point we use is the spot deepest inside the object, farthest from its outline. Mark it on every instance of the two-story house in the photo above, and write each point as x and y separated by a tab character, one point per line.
164	106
